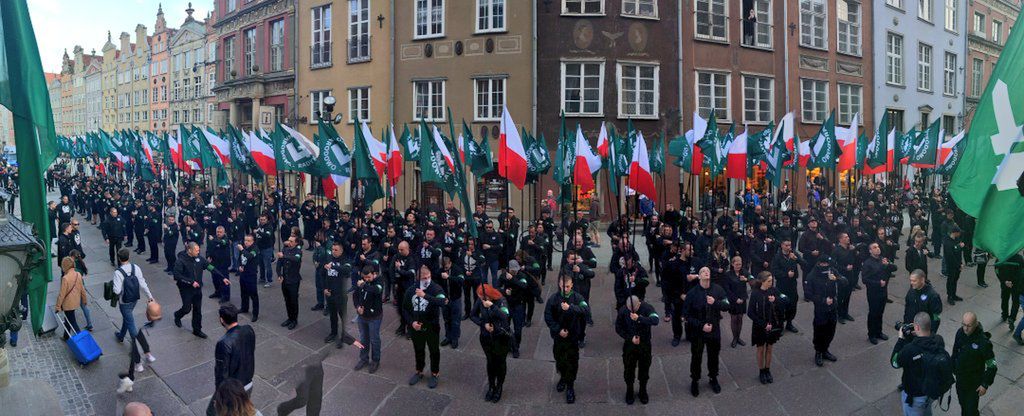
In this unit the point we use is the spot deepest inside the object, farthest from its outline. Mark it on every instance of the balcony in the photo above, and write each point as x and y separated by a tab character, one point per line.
358	49
320	55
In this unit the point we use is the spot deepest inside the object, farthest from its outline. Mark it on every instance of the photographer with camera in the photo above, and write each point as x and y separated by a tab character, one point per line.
921	297
927	367
974	364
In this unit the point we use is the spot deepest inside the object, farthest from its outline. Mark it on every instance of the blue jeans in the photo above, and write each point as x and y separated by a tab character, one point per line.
266	263
492	271
452	314
127	320
518	313
88	316
1020	325
919	406
235	254
369	336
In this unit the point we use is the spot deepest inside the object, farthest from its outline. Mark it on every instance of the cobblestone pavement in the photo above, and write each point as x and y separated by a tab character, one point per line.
180	382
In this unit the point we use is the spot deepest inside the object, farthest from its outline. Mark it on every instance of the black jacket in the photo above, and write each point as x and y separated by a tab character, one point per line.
496	315
628	328
762	312
906	354
369	297
924	300
571	320
288	265
235	355
426	310
335	276
974	362
624	289
516	290
698	312
113	228
821	289
780	267
188	269
735	286
916	259
873	273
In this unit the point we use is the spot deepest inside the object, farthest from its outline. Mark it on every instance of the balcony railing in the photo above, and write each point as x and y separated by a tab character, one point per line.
358	48
320	55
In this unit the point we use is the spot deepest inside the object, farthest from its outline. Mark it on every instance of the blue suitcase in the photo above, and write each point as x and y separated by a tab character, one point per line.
82	344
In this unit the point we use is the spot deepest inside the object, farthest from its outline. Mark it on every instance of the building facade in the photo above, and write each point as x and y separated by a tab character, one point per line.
255	53
56	104
919	73
93	96
187	78
111	78
614	61
989	23
159	71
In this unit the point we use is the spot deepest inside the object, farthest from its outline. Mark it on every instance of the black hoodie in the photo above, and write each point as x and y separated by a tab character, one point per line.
906	355
974	362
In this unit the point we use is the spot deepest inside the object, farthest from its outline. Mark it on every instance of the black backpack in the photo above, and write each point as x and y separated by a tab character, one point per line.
937	372
130	286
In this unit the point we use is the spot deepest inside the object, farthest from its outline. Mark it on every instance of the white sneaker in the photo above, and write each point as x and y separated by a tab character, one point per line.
150	358
126	385
139	368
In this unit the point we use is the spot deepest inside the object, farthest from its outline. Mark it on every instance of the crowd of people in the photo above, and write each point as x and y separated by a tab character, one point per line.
708	274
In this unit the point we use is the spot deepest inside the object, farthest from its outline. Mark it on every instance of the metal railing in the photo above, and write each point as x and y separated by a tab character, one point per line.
320	55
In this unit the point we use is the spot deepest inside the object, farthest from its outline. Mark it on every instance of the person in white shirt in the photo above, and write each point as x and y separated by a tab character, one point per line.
129	285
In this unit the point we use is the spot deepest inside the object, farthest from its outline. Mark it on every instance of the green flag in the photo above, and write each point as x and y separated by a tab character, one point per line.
877	153
538	153
862	151
241	156
925	152
478	156
295	152
715	147
364	172
824	146
757	147
410	144
335	157
437	165
905	144
683	152
657	156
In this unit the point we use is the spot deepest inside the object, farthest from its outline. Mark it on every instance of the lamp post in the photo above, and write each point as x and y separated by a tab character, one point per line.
20	251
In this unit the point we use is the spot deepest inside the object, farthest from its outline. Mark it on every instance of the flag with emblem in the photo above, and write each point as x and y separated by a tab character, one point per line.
365	169
925	153
335	159
824	146
295	152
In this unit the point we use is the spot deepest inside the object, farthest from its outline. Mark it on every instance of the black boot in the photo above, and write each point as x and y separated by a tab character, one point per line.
642	394
497	392
818	360
490	392
570	394
629	393
763	377
768	375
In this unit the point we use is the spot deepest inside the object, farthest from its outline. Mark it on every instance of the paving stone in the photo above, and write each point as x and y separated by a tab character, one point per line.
193	383
412	401
276	356
357	394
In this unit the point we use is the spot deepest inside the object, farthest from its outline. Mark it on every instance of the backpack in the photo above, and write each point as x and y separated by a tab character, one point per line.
130	286
937	372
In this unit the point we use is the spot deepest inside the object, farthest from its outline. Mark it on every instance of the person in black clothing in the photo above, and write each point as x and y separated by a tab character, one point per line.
218	252
735	285
703	309
369	310
565	315
679	276
235	355
515	289
248	263
140	222
153	234
170	237
825	286
113	229
404	270
768	316
974	364
916	256
491	243
921	297
630	280
847	262
491	314
785	268
421	305
188	274
907	354
65	240
875	274
581	274
452	282
289	261
952	261
1011	282
633	324
335	271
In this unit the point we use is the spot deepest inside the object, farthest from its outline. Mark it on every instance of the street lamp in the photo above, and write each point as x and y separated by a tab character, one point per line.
20	251
329	102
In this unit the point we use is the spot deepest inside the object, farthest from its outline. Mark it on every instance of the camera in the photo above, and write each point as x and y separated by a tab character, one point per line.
907	329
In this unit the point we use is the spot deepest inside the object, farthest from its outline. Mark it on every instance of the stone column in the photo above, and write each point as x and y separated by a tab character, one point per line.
255	113
233	113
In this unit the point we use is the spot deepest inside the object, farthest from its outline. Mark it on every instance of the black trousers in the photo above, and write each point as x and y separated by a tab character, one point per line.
128	231
191	301
140	237
967	395
567	359
980	273
791	303
1009	302
952	277
845	291
636	362
153	253
823	335
876	309
429	336
169	252
249	293
497	364
697	348
675	310
291	300
112	248
335	305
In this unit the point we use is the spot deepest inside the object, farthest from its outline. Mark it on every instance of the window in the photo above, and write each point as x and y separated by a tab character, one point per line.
949	74
712	20
924	120
197	116
713	93
951	14
187	88
277	45
640	8
814	94
976	73
813	30
428	100
583	88
229	56
231	5
638	90
997	31
198	84
949	125
177	90
979	24
758	96
582	6
184	116
316	107
848	22
490	16
249	50
429	18
924	9
359	30
757	31
489	98
850	100
320	50
924	67
894	59
359	104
